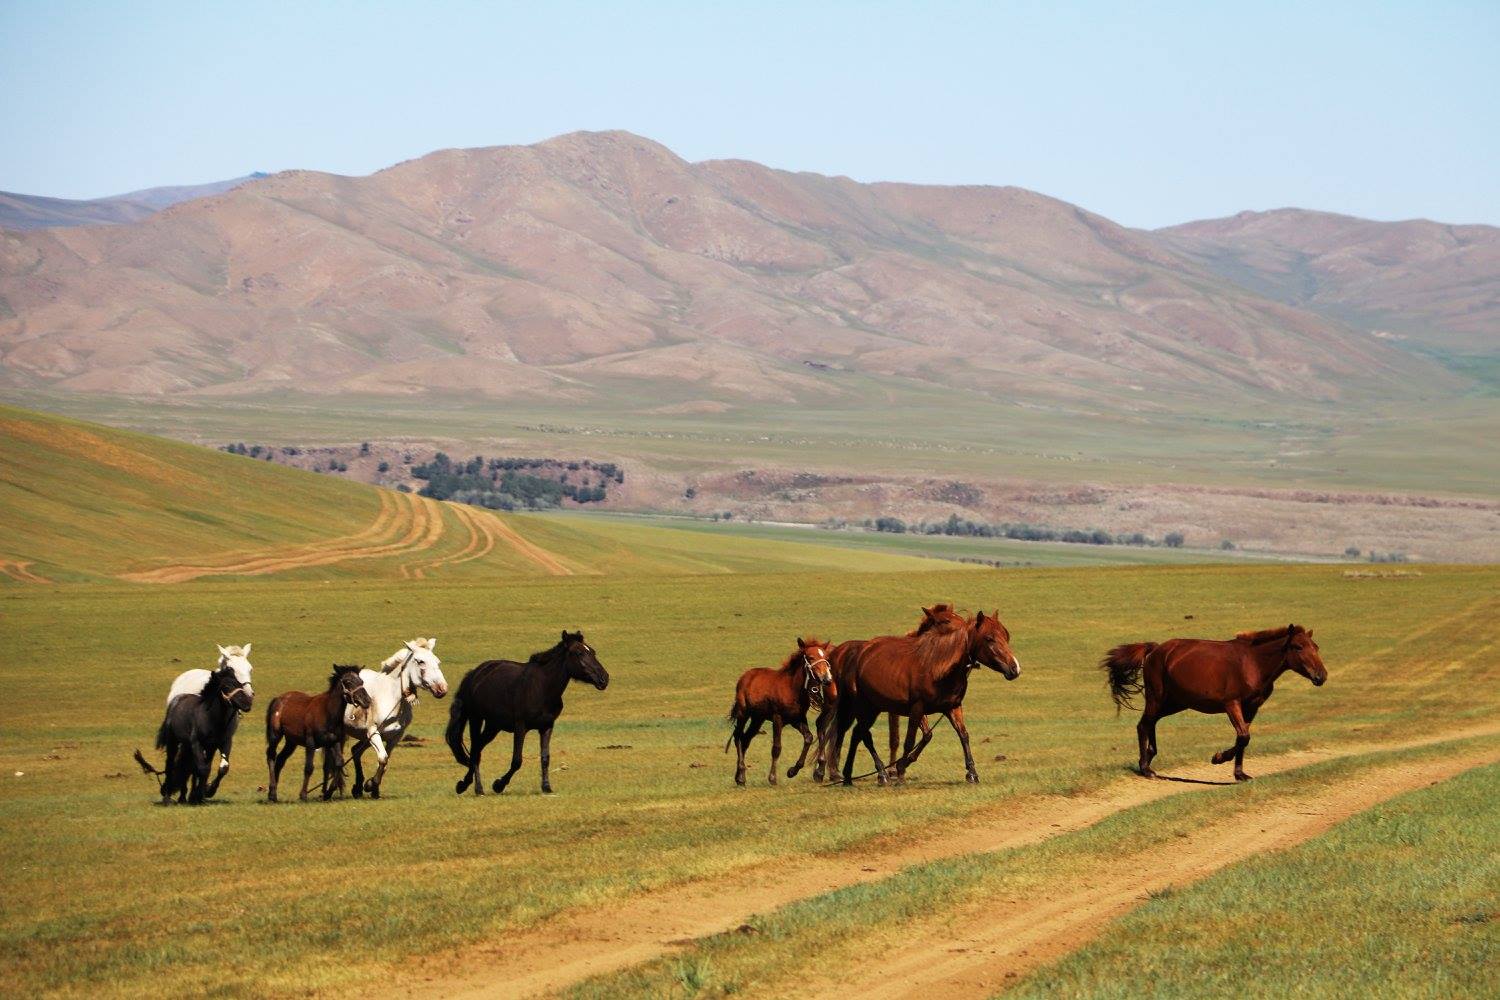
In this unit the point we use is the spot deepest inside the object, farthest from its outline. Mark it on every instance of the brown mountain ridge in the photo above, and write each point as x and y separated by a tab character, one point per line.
601	264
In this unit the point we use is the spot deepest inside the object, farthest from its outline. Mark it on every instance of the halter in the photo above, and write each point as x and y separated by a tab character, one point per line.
401	676
810	682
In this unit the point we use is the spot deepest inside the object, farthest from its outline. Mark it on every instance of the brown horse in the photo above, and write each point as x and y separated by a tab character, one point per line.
1232	678
313	721
912	675
783	696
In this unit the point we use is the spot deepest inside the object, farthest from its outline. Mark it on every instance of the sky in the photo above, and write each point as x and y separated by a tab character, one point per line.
1148	113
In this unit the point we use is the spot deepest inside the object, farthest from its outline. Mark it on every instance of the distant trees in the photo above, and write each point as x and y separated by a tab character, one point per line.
1352	552
964	527
511	483
1173	540
1227	545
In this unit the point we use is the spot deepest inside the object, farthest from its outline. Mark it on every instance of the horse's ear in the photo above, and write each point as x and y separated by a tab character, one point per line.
222	651
245	650
564	635
800	643
432	643
1309	633
979	618
410	645
929	612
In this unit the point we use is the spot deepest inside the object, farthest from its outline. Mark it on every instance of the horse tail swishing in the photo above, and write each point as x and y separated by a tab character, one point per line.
1123	665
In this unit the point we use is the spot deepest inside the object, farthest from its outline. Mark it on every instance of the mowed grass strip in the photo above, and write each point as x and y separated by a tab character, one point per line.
101	888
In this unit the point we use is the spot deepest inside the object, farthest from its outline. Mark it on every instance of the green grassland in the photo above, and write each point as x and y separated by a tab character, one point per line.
102	889
997	552
893	427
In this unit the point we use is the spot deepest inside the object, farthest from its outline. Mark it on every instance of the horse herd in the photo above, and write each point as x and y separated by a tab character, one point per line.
924	672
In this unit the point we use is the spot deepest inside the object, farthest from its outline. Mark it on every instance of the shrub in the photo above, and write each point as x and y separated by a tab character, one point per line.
383	467
1352	552
1173	540
1227	545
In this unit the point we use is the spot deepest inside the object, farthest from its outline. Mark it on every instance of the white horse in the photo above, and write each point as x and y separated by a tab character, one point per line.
193	681
393	691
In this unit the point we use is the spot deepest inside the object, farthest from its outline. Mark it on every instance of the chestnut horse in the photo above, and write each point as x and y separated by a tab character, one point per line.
783	696
313	721
912	675
1232	678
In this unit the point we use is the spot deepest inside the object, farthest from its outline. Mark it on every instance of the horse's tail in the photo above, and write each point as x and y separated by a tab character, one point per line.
140	759
272	723
456	720
1123	666
735	717
161	736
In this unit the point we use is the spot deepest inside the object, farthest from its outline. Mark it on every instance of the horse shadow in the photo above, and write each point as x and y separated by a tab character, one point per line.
1182	780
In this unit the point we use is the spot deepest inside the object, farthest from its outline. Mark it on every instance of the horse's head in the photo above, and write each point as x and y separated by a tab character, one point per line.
580	661
815	655
991	645
1302	655
418	660
226	683
237	659
345	680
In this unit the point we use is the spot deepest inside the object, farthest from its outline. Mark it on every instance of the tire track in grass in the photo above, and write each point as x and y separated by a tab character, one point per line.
979	958
416	520
480	544
17	570
591	941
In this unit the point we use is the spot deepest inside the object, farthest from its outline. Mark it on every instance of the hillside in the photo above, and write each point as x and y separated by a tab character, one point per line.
1435	285
29	211
82	501
602	266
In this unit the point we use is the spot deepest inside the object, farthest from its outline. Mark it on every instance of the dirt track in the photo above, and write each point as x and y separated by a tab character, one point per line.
583	943
17	570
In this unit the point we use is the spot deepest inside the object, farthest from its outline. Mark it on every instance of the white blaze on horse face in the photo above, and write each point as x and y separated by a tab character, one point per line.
237	658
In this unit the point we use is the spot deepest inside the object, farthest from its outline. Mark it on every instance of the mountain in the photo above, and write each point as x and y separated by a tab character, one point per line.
1436	285
602	265
29	211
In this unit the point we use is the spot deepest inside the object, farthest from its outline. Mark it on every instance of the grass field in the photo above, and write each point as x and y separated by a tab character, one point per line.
102	890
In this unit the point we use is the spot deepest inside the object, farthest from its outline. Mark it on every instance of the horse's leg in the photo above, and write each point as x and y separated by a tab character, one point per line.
307	770
278	761
775	745
515	760
374	784
738	739
894	722
546	738
356	754
956	717
853	749
825	726
471	776
862	735
913	749
202	757
1241	741
228	744
1145	734
807	742
334	753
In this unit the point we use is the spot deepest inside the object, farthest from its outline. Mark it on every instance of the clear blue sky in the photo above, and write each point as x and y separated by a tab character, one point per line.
1148	113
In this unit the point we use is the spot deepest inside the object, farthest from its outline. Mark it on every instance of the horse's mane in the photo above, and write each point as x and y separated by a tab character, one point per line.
790	664
213	680
397	659
542	655
942	614
934	647
1266	635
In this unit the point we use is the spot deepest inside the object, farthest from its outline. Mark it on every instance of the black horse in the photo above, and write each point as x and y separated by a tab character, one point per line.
196	725
517	697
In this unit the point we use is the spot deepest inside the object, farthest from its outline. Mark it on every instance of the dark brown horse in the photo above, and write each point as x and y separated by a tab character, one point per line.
923	672
312	721
782	696
516	698
1232	678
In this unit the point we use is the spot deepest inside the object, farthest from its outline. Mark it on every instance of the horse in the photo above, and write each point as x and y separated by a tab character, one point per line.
517	697
1230	677
194	727
313	721
926	671
782	695
939	615
237	658
393	693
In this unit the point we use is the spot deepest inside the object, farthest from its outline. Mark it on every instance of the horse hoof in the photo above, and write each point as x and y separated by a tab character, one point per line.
791	772
1220	758
1241	776
739	779
972	778
1146	772
546	789
375	793
357	791
497	786
459	787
